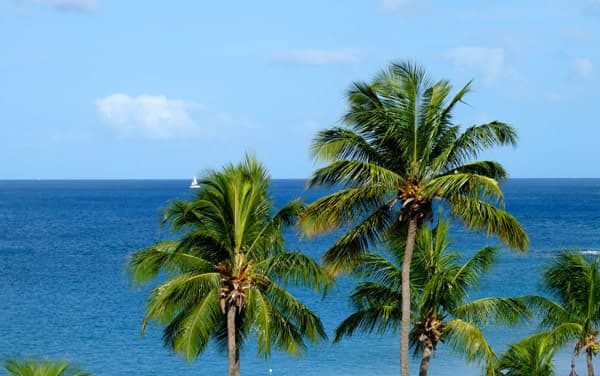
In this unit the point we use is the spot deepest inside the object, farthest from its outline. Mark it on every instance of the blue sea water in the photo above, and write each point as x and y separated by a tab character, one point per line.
64	291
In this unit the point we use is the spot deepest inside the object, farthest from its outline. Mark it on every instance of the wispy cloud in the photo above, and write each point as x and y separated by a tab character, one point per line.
151	116
393	5
576	34
317	57
67	5
488	61
583	67
410	6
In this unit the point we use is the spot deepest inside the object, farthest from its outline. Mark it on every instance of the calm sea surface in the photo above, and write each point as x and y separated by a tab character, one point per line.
64	292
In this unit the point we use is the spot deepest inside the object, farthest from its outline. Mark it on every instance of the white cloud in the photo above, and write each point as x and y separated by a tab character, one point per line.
318	57
68	5
583	67
488	61
151	116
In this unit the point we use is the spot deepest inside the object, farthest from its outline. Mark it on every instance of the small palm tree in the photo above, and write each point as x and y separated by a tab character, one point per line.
229	270
41	368
401	146
530	357
442	311
573	279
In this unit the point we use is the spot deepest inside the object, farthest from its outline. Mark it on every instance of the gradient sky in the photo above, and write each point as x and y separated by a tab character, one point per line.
166	89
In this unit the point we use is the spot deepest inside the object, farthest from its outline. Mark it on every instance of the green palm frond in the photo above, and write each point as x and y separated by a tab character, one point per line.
343	144
488	311
145	265
178	293
377	320
32	367
477	138
378	268
466	339
295	268
465	184
292	311
531	356
551	313
348	251
355	173
371	294
480	215
190	330
489	169
470	272
344	207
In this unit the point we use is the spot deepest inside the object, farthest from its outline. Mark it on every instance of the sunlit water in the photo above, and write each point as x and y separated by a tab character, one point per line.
64	292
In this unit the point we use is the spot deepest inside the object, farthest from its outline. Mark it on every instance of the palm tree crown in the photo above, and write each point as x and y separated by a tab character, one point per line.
401	146
229	270
531	356
573	279
41	368
441	310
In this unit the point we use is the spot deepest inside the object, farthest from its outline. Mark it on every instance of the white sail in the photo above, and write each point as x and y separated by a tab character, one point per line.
194	183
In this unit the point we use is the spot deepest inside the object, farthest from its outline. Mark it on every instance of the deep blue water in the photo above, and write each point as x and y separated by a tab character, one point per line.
64	292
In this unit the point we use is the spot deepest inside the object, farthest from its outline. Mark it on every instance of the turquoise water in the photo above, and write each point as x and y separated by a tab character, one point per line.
64	292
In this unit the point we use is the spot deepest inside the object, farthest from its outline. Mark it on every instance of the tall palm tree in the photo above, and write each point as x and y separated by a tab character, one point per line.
442	312
530	357
41	368
398	152
229	270
573	279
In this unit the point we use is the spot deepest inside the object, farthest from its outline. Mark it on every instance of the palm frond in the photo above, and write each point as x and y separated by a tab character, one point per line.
355	174
378	320
492	310
343	144
34	367
467	340
144	265
349	249
297	269
480	215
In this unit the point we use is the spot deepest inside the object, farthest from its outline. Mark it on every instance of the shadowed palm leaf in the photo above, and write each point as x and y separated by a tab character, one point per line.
228	272
399	151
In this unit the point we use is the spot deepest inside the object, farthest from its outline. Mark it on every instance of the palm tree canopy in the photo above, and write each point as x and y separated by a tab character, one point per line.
440	283
573	280
231	253
531	356
41	368
399	144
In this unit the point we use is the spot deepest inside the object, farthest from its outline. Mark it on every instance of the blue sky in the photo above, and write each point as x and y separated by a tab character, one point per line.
166	89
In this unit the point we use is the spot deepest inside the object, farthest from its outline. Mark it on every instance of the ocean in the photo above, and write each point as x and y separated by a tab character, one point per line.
64	291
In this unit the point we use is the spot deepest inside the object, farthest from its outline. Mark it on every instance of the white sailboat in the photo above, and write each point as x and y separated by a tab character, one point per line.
194	183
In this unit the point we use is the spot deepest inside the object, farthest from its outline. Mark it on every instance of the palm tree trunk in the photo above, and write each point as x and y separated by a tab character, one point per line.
232	350
408	252
425	360
590	366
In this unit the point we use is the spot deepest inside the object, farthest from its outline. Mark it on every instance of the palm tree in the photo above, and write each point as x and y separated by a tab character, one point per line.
400	146
41	368
574	281
530	357
441	308
229	270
